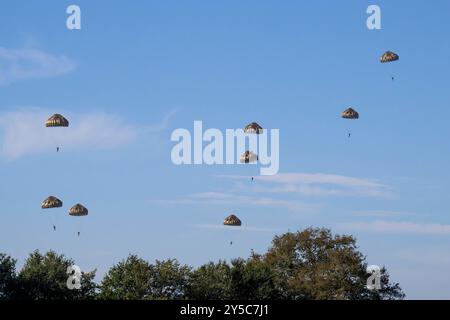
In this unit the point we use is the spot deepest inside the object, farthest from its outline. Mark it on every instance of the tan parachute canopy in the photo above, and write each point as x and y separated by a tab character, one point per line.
57	120
78	210
389	56
232	220
253	128
51	202
248	157
350	114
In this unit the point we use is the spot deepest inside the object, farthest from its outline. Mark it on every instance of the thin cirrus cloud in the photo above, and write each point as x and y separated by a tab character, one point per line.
23	64
23	132
318	184
381	213
383	226
223	198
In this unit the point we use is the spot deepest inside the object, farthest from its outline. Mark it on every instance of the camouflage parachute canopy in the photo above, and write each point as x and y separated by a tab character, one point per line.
51	202
253	128
57	120
78	210
248	157
389	56
232	220
350	114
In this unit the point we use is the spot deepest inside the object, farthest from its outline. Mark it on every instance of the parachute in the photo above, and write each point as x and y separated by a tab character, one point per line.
248	157
51	202
389	56
78	211
350	114
232	220
57	120
253	128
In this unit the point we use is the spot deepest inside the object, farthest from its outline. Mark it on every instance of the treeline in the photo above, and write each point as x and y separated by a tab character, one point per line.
309	264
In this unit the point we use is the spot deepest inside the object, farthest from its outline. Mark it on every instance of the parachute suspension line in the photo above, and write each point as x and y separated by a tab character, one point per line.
351	114
78	211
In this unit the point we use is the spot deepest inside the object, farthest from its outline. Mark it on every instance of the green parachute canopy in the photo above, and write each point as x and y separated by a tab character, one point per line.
350	114
51	202
57	120
389	56
253	128
248	157
232	220
78	211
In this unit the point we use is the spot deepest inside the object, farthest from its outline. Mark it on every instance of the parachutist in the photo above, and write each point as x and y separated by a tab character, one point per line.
54	228
349	135
231	243
248	157
253	178
78	233
57	149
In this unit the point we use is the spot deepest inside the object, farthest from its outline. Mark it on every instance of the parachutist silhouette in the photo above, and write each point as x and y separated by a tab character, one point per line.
54	228
392	78
253	178
78	233
231	243
349	135
57	149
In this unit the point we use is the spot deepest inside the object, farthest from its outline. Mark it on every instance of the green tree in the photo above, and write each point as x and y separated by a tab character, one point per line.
45	277
127	280
388	291
210	281
314	264
8	277
169	280
253	279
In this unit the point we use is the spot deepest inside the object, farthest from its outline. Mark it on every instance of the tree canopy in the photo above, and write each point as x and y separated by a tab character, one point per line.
308	264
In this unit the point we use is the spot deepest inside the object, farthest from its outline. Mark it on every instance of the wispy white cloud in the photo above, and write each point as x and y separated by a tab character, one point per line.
318	184
397	227
21	64
223	198
381	213
163	124
23	132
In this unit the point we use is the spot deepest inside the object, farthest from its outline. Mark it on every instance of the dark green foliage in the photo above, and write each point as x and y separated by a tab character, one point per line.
308	264
8	278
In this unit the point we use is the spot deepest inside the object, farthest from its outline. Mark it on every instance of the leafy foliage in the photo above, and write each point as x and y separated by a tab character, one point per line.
8	276
308	264
45	277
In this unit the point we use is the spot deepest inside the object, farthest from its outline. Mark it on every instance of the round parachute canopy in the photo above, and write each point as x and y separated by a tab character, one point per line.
389	56
57	120
253	128
248	157
232	220
78	211
51	202
350	114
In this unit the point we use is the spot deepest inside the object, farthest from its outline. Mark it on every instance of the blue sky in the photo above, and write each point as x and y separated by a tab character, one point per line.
137	71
